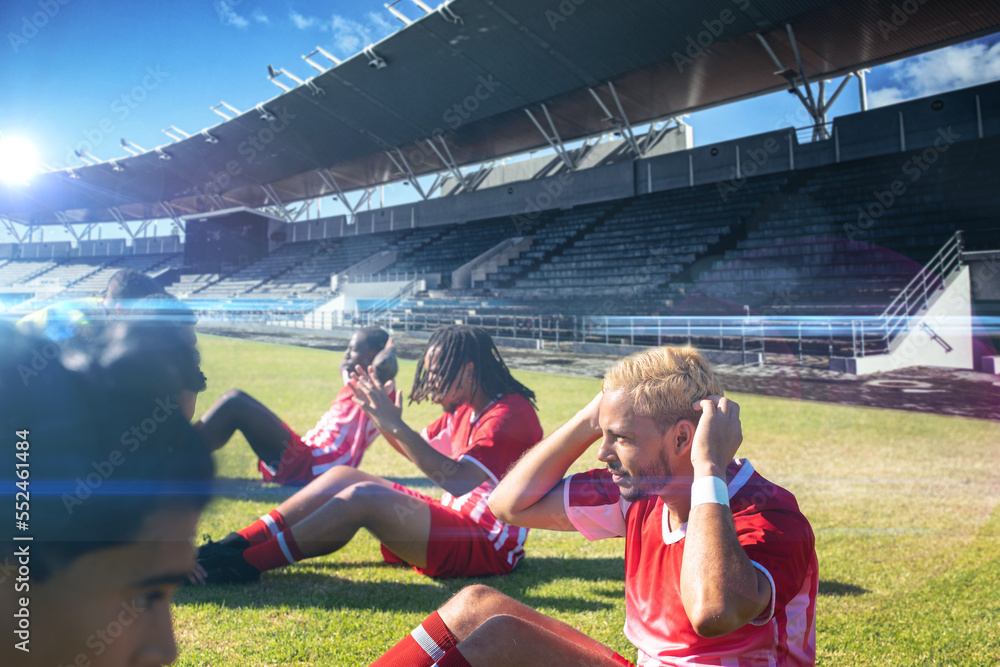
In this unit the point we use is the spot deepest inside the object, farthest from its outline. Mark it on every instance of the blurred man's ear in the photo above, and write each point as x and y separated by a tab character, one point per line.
385	363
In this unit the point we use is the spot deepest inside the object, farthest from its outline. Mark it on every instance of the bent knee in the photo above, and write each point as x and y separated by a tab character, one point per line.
364	493
476	605
498	634
233	396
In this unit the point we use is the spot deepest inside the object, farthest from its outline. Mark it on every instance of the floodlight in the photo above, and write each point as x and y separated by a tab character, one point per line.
134	149
374	60
265	115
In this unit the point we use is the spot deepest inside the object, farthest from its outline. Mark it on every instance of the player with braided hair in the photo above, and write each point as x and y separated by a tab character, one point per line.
489	421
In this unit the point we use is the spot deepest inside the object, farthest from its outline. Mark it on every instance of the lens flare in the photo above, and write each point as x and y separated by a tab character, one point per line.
18	160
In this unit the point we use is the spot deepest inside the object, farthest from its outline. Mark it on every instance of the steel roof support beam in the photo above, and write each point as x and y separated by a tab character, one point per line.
214	197
145	224
9	224
72	232
404	167
273	196
816	107
655	134
332	183
449	161
625	126
555	140
621	121
173	215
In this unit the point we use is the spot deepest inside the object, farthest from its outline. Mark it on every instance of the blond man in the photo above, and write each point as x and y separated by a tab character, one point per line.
720	564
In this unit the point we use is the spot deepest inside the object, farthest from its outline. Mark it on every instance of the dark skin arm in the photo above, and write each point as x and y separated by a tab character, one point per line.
455	477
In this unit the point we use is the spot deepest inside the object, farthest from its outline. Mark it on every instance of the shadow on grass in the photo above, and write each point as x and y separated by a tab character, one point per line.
414	482
300	589
239	488
839	589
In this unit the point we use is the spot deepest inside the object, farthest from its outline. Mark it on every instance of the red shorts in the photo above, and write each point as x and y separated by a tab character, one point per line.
295	466
456	547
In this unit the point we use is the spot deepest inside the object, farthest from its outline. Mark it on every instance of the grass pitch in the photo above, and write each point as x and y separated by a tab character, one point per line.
903	506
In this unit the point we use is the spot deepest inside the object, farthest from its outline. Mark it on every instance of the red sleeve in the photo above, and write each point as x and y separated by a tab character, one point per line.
435	427
503	435
781	542
594	505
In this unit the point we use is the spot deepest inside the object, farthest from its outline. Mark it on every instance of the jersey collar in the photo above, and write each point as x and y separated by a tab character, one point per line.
735	484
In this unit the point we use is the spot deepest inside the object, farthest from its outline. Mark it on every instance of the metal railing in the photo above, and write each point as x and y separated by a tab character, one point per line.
918	292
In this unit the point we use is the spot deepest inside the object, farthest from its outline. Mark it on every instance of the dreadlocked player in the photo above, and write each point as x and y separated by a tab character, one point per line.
489	421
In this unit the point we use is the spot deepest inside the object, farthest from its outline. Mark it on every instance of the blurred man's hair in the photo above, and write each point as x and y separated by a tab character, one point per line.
375	339
107	446
131	284
664	382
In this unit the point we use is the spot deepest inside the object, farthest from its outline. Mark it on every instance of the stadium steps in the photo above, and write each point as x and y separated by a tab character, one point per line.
553	238
90	274
807	255
49	266
323	250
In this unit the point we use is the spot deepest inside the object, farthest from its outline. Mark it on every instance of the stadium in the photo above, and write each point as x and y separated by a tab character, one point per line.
842	275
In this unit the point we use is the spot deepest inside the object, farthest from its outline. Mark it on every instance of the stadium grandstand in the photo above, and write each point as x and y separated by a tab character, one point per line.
853	240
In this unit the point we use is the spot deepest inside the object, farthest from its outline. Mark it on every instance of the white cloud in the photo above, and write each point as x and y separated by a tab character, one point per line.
228	15
349	36
301	22
260	17
939	71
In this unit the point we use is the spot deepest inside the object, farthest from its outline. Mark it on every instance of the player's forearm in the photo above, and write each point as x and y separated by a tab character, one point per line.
394	443
455	477
541	468
720	588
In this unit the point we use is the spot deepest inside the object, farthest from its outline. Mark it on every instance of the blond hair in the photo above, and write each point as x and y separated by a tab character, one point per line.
664	382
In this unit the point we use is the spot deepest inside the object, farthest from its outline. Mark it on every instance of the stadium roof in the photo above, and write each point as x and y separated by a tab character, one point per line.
468	72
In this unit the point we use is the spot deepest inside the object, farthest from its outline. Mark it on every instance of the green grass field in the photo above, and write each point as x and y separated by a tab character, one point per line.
902	505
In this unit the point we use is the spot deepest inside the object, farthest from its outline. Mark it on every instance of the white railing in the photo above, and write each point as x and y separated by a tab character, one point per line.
918	292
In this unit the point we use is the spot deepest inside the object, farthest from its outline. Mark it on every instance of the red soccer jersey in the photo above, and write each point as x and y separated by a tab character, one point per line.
493	440
774	534
340	437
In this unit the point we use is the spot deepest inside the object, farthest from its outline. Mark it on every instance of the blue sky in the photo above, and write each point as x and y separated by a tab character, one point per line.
78	73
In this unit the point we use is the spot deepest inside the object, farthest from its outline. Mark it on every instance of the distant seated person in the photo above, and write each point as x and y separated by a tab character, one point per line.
110	528
84	317
720	564
340	437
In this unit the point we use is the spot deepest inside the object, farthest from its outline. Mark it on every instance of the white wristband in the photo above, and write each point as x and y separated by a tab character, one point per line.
709	490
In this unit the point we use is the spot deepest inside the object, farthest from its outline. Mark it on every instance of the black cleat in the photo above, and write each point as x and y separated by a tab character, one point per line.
228	568
231	543
223	561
